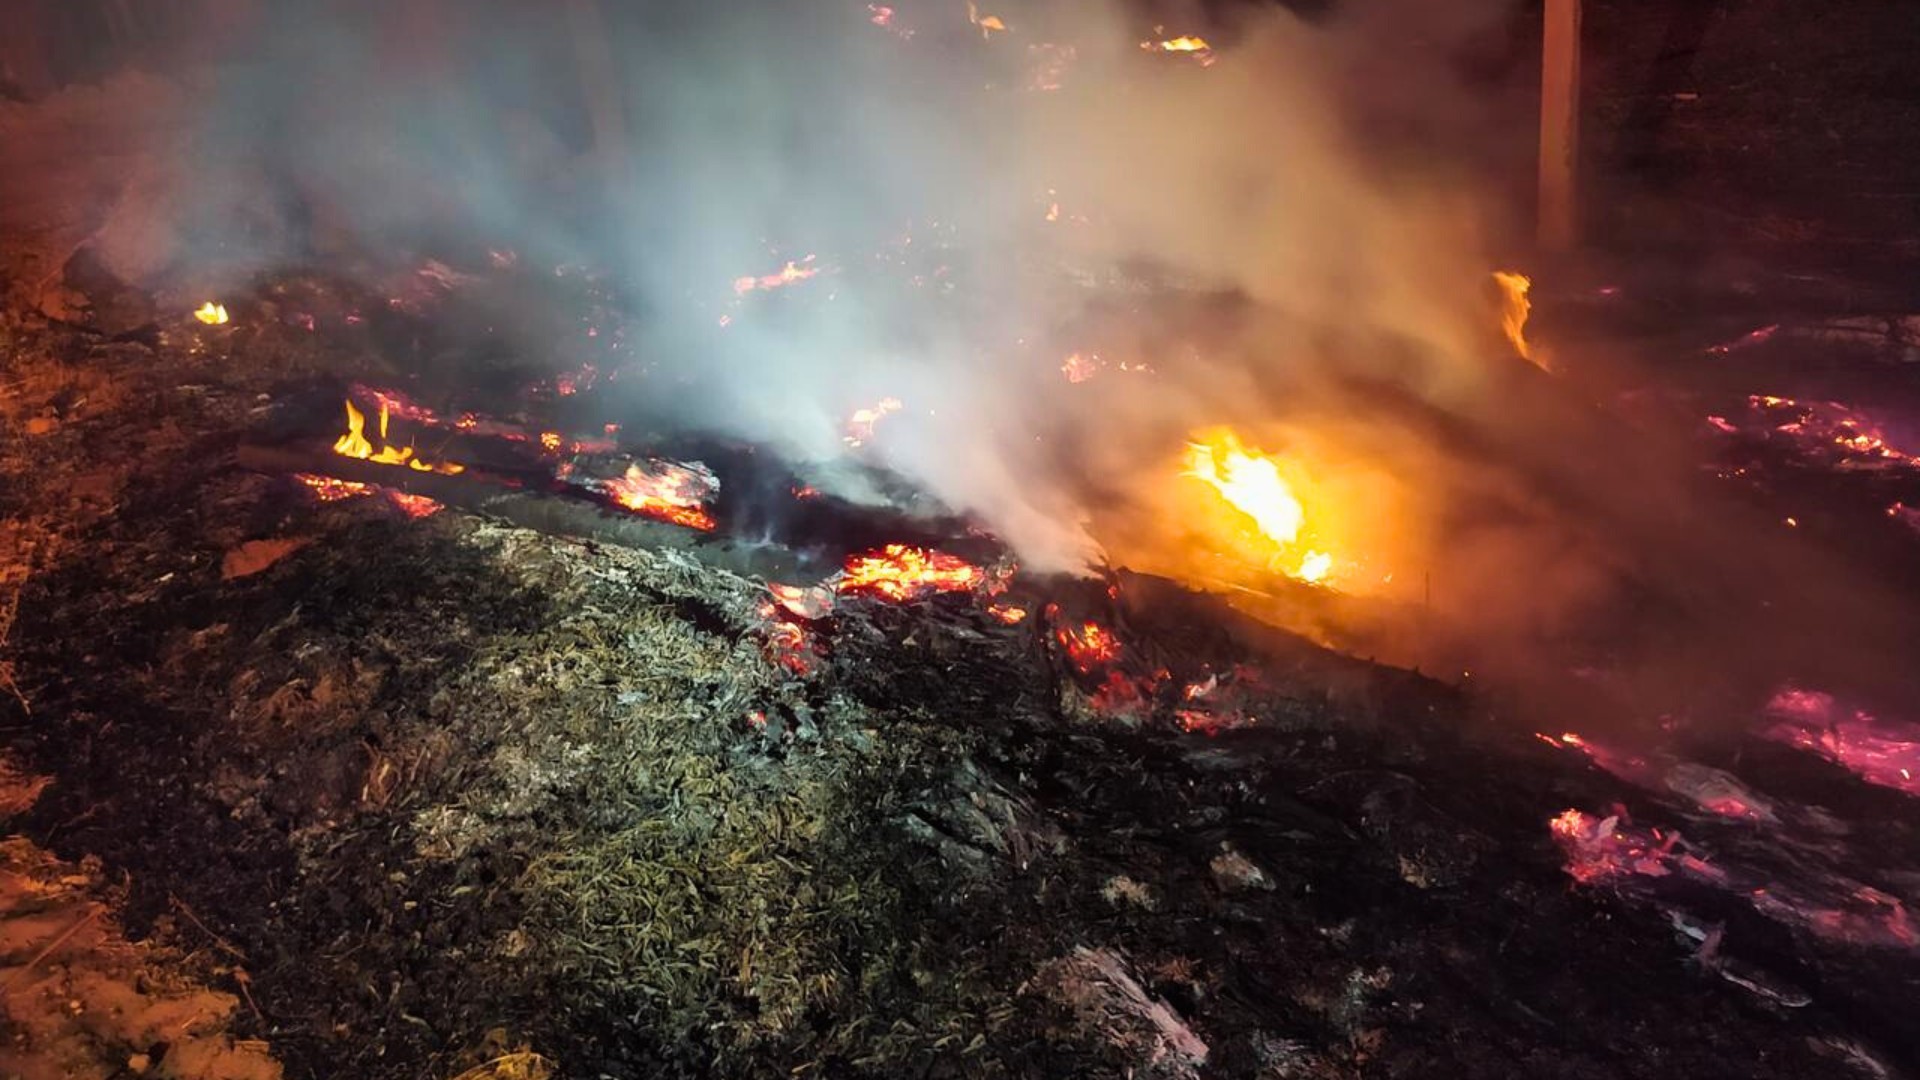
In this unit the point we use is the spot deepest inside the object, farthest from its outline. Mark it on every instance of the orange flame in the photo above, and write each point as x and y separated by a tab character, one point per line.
1008	613
212	314
674	493
1089	645
1195	47
1515	308
899	572
786	275
354	444
1250	482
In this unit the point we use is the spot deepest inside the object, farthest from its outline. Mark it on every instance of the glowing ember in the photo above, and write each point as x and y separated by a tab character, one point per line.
212	314
1751	338
1089	645
815	603
354	444
1008	613
900	573
787	641
1515	308
1250	482
1080	367
1827	429
860	424
414	506
787	275
550	441
1601	849
666	491
1882	752
328	489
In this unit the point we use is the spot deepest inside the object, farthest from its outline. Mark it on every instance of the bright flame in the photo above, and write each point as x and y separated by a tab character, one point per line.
1195	47
212	314
354	444
1089	645
860	424
1181	44
1315	567
674	493
1515	308
899	572
1250	482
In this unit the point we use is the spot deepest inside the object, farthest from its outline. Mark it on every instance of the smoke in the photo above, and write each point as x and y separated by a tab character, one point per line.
1292	240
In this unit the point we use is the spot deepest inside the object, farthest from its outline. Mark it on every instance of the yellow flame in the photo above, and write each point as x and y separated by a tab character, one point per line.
212	314
354	444
1514	310
1315	567
1250	482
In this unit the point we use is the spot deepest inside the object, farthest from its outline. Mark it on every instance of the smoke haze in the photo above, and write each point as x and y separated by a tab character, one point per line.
1293	240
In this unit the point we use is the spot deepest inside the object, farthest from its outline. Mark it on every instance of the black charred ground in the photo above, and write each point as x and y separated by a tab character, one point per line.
453	784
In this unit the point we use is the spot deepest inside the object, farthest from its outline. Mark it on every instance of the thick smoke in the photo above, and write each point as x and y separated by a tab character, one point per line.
1293	240
927	147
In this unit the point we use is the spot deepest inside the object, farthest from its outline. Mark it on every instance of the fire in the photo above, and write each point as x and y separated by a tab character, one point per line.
899	572
328	489
1879	751
414	506
354	444
331	489
212	314
786	275
987	23
1315	567
1079	367
1250	482
1195	47
550	441
1089	645
673	493
1008	613
860	424
1515	308
1598	849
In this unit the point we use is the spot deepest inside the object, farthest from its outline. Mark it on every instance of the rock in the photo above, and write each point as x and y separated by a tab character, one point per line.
1233	870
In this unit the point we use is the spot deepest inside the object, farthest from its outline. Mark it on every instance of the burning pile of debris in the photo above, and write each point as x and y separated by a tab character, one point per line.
878	802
